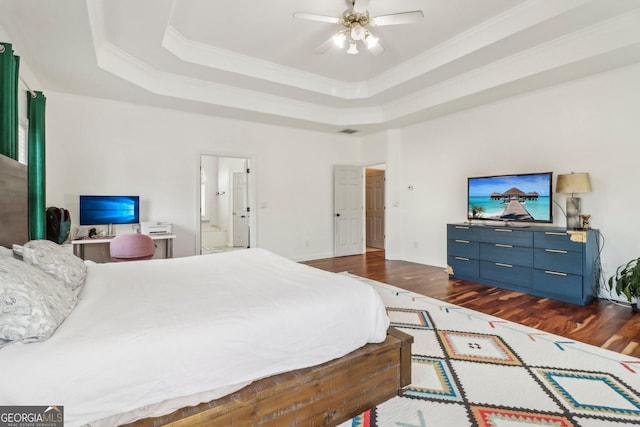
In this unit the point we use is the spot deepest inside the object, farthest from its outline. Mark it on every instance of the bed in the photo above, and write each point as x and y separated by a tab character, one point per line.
238	338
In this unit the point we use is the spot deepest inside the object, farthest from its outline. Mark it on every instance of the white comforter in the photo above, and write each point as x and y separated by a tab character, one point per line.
148	337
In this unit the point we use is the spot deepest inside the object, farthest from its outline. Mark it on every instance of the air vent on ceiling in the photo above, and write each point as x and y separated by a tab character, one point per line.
348	131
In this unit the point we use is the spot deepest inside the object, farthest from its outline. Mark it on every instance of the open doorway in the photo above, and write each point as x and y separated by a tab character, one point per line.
375	207
357	229
224	203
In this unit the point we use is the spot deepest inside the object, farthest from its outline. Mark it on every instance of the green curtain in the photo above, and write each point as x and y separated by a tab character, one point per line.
36	102
9	66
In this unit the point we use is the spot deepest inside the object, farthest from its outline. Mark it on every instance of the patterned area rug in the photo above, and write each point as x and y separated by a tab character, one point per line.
472	369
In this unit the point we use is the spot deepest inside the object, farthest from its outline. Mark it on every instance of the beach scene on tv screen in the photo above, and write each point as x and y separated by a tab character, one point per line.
510	198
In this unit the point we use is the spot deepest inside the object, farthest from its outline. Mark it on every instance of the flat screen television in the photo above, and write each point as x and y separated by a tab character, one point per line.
521	197
97	210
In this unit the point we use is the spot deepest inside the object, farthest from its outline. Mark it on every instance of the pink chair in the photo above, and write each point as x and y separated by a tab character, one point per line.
131	247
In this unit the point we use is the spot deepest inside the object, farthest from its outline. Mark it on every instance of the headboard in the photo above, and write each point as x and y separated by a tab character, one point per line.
14	202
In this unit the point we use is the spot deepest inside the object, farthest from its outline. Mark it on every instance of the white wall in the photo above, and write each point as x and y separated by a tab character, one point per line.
591	125
97	146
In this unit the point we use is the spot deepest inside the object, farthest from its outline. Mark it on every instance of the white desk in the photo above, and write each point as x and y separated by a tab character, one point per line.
79	244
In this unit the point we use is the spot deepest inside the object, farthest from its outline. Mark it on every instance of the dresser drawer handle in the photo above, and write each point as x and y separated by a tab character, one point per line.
551	233
500	245
499	264
555	273
460	227
462	258
502	230
462	241
556	251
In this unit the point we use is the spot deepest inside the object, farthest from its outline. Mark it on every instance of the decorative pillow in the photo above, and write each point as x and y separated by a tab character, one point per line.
6	252
17	251
32	303
56	261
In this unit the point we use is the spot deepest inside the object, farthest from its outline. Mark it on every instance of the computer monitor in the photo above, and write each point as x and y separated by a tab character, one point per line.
97	210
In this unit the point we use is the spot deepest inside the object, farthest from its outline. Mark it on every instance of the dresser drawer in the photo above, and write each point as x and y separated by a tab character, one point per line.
545	261
506	273
556	240
509	254
463	266
559	260
506	235
560	284
462	247
464	232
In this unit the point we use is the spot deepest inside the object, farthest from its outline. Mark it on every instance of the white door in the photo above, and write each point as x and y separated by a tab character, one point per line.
240	212
348	210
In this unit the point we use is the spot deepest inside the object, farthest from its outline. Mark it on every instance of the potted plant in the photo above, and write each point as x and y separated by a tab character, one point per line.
626	281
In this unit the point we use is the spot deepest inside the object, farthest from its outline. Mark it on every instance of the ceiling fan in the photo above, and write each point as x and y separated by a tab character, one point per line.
356	21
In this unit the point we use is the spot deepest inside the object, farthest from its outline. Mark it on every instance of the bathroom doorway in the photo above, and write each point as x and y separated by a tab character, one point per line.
224	203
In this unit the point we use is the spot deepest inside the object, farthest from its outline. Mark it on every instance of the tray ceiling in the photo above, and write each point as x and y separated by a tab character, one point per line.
255	61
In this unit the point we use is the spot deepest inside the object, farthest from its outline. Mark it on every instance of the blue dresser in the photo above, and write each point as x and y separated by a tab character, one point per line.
549	262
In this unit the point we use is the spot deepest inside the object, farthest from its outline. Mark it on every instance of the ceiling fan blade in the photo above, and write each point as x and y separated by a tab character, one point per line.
360	6
325	46
377	49
315	17
397	18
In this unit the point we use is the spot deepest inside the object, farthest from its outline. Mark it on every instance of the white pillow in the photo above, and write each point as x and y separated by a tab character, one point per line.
56	261
6	252
32	303
17	251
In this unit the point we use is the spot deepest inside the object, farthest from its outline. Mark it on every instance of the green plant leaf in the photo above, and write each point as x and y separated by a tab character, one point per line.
627	279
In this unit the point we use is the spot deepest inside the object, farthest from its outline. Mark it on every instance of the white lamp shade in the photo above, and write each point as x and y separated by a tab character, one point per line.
357	33
573	183
371	40
339	38
353	48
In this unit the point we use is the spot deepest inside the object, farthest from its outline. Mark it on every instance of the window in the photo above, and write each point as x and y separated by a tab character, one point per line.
22	142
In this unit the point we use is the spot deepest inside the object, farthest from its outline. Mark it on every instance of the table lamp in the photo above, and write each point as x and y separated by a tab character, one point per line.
570	184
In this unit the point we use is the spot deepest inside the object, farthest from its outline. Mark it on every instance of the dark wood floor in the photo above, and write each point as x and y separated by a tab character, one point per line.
600	323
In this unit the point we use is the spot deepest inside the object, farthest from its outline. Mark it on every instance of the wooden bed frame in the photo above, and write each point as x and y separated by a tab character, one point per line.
322	395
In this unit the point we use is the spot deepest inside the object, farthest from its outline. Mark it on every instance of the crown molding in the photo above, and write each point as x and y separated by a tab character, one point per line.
115	60
95	10
508	23
491	31
202	54
568	51
614	34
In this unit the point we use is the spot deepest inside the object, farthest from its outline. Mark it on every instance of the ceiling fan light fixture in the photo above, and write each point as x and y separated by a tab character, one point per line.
339	39
353	48
357	32
355	23
371	40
